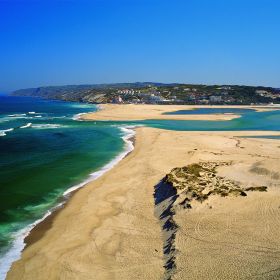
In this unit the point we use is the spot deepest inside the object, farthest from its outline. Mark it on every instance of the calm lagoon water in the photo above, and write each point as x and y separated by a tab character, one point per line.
44	151
249	120
205	111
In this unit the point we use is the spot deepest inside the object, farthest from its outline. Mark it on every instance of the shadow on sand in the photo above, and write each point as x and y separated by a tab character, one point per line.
164	197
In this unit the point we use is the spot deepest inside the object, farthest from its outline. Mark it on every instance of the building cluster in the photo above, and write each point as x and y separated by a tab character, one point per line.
196	96
148	95
127	91
266	93
183	95
175	95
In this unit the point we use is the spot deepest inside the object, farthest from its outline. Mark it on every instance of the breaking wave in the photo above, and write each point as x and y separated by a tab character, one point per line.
4	132
26	125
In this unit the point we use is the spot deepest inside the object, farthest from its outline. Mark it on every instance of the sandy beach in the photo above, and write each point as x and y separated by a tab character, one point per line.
111	229
132	112
139	140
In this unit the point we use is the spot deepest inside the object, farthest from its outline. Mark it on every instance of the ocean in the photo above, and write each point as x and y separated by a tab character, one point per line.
46	152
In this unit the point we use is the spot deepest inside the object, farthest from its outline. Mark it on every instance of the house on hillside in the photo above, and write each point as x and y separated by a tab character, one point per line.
215	99
117	100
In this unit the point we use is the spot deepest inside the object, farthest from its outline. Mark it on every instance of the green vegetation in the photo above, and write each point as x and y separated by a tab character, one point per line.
198	181
157	93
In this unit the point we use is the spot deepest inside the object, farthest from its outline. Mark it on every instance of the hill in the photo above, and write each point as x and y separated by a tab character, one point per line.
156	93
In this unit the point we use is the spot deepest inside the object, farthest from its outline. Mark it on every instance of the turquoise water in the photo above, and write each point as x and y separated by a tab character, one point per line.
205	111
273	137
44	152
249	120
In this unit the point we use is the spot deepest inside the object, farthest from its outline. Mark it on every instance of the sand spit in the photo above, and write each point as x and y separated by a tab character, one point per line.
113	227
116	112
132	112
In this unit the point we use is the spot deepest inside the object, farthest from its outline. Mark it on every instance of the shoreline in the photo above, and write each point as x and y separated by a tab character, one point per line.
99	189
40	229
108	202
79	117
133	112
36	230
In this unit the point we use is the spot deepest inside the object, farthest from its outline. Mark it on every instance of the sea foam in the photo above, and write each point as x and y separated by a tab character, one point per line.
46	126
3	132
18	244
128	134
26	125
77	117
16	115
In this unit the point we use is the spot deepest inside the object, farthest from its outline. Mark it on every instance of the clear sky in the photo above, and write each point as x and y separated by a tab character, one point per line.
100	41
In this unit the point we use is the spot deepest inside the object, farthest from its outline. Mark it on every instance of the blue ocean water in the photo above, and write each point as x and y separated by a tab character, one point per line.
45	150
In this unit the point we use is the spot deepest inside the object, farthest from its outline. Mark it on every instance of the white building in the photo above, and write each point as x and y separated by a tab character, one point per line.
215	98
261	92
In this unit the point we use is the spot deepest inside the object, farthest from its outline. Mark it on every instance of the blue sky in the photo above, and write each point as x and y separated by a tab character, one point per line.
101	41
